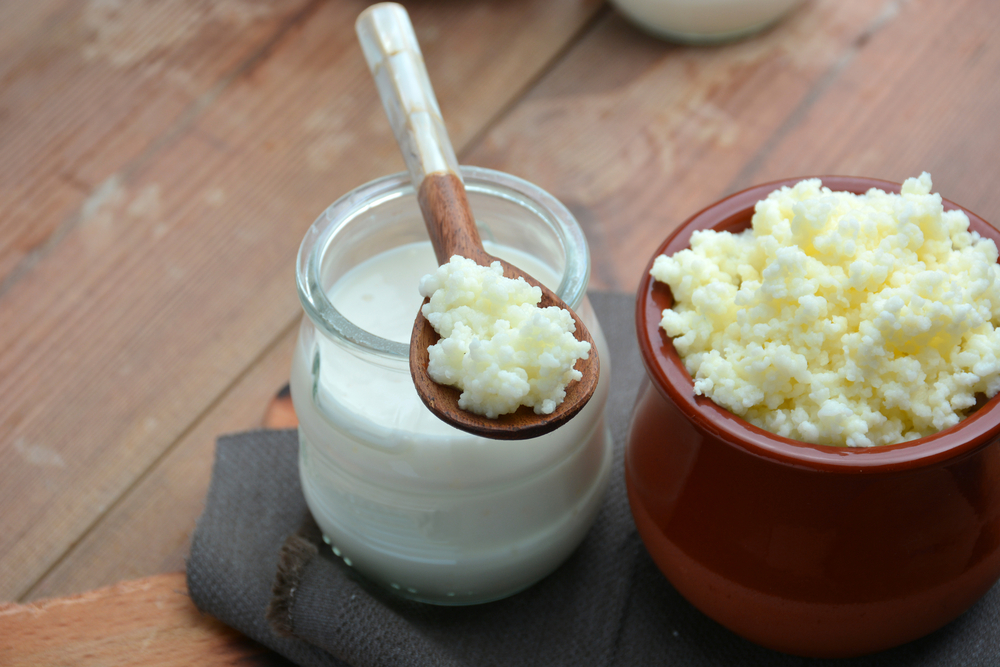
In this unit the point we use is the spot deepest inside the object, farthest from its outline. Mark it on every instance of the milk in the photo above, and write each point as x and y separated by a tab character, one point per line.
422	508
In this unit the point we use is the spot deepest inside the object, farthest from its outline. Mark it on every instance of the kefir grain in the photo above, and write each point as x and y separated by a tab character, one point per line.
840	319
497	346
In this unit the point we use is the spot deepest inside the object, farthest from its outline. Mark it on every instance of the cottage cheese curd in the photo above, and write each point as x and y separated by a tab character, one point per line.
840	319
497	345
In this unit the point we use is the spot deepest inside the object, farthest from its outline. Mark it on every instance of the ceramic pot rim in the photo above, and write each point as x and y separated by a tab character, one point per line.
666	371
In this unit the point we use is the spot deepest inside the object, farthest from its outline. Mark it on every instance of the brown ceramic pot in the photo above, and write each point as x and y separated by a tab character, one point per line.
811	550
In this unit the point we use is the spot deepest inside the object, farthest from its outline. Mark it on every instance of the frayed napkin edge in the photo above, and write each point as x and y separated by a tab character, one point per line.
296	553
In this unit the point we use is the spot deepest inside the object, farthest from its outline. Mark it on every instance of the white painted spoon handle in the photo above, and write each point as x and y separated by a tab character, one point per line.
394	58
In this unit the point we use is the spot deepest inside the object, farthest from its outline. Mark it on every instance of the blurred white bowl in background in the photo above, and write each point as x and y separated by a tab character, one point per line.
704	21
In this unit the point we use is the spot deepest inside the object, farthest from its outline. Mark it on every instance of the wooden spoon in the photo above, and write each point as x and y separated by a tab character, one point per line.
394	57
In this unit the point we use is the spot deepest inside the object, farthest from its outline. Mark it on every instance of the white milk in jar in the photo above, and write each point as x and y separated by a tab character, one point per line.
415	505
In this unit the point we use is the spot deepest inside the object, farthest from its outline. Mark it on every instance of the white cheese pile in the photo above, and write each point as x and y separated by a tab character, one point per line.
840	319
497	345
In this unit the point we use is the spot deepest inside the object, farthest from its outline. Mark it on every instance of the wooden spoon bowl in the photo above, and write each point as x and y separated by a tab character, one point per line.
453	232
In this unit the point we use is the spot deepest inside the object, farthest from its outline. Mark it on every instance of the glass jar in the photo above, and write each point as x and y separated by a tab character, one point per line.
415	505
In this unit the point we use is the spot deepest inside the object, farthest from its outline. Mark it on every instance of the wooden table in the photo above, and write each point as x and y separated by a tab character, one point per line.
160	162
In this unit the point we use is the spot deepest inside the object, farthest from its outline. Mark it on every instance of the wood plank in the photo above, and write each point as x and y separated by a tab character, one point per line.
21	23
150	308
898	124
636	143
149	529
94	88
147	622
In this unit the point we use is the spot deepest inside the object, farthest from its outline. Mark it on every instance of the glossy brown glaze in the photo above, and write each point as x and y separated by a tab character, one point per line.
807	549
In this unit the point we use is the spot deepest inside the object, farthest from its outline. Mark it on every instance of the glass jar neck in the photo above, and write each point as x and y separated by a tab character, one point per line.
384	213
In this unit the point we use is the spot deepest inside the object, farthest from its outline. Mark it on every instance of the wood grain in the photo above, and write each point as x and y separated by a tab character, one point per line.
20	25
634	144
148	530
637	143
147	622
90	89
166	291
450	221
897	123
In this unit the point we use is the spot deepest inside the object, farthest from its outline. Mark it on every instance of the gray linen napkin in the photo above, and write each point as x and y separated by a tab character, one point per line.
607	605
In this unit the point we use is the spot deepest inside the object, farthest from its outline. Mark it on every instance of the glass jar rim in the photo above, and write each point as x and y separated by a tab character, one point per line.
478	180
